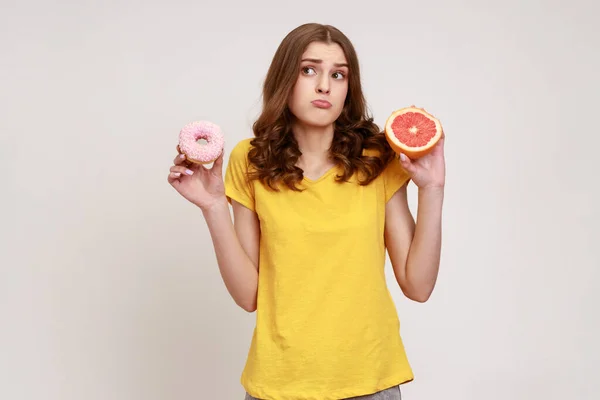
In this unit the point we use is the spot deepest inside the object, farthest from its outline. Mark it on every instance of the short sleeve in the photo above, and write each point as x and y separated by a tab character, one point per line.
237	184
394	177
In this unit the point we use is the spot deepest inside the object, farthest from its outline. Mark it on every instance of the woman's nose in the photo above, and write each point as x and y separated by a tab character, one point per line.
323	86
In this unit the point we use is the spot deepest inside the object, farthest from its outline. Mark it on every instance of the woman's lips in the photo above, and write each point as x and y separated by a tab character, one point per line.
321	103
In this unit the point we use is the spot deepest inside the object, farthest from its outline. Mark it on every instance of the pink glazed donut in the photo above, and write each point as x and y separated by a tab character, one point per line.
201	153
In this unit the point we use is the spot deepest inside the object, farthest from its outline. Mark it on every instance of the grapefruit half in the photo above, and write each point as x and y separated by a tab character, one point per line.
412	131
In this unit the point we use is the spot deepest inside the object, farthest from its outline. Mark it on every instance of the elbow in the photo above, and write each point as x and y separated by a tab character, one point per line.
248	306
418	288
420	297
419	294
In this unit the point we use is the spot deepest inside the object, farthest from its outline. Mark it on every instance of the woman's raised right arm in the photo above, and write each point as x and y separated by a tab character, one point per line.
236	246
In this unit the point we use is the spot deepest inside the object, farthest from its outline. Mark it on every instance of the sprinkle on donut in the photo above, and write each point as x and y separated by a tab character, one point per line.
201	153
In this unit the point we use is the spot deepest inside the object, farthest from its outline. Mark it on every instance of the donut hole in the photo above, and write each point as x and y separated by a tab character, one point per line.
202	142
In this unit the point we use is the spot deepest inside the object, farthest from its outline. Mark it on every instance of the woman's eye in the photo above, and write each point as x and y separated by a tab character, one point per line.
307	69
339	74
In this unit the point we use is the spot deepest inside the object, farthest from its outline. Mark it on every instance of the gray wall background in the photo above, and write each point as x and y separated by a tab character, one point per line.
109	287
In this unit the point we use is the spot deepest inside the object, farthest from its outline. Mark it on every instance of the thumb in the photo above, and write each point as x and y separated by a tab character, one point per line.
218	164
406	162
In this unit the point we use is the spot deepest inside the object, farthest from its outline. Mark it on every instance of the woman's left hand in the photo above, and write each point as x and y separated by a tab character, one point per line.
428	171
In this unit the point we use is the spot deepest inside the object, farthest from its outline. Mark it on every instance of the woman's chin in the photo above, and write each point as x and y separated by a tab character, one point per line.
319	122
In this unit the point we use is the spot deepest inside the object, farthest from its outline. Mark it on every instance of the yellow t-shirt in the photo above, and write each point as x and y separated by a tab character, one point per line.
326	325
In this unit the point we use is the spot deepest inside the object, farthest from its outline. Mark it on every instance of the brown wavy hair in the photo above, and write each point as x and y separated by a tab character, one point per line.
275	152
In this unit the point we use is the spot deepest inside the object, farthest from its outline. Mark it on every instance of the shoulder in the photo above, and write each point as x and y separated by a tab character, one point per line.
392	167
239	154
393	175
238	161
241	148
237	184
371	153
376	153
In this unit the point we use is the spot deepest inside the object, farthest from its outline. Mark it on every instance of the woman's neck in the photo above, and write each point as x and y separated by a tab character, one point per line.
314	141
314	144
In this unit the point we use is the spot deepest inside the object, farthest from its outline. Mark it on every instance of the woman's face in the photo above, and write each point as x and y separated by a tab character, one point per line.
318	96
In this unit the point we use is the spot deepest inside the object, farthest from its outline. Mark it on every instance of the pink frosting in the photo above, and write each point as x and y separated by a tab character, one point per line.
204	153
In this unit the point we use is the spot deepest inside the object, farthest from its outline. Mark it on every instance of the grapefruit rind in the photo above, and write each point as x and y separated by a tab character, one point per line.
412	151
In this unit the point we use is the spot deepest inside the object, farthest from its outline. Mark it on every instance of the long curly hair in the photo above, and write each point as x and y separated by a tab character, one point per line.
274	150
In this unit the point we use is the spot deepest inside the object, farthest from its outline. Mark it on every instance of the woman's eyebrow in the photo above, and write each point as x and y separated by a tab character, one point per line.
317	61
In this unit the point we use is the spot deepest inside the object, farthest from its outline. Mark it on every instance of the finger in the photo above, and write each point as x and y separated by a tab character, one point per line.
406	162
218	164
439	147
442	140
195	166
181	170
180	159
173	177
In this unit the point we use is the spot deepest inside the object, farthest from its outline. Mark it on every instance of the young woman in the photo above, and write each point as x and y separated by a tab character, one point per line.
318	196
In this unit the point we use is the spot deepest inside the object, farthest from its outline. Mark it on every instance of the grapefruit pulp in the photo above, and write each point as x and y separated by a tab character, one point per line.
412	131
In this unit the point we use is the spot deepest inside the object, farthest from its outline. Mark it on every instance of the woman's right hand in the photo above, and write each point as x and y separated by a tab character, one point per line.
202	186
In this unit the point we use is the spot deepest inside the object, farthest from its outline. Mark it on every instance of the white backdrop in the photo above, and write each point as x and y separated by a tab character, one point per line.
109	287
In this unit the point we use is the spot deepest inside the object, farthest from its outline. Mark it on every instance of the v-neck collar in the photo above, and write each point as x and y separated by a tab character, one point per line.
322	177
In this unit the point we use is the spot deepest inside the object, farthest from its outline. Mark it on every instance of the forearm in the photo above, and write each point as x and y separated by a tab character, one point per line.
422	264
239	273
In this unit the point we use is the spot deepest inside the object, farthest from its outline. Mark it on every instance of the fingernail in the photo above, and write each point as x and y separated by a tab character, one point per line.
402	157
176	173
182	156
189	171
